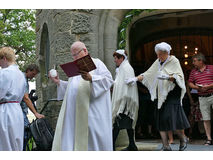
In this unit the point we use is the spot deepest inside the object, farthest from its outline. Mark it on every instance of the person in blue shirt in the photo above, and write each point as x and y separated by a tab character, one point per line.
31	71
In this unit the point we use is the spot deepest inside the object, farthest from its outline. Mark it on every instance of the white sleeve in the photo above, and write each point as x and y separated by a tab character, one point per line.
61	89
101	79
4	84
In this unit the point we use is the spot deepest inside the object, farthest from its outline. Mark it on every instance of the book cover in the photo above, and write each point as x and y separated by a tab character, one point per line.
82	64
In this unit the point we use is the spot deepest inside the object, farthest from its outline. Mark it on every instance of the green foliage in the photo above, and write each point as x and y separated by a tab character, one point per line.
124	24
30	144
17	30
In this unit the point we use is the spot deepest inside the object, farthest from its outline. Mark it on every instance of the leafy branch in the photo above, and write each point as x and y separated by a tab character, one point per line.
17	30
124	24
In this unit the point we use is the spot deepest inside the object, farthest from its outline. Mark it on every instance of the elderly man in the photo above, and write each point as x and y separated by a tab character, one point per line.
12	88
31	71
201	79
165	82
124	100
85	119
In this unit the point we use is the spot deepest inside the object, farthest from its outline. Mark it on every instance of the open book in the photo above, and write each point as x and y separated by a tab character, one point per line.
82	64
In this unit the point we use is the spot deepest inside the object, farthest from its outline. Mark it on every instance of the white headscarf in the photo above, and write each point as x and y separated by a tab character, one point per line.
163	46
121	52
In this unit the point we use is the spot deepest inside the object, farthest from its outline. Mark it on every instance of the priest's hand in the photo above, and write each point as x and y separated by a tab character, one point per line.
131	81
54	79
86	76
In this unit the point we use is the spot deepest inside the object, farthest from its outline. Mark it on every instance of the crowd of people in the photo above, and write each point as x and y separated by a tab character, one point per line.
96	107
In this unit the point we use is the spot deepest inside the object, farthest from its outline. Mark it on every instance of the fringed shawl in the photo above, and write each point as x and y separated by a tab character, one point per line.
159	89
125	97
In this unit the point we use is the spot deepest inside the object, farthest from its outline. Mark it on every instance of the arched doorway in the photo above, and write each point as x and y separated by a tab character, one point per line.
188	32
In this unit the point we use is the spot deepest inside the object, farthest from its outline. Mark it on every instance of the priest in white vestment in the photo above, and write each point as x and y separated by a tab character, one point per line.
12	89
85	118
124	100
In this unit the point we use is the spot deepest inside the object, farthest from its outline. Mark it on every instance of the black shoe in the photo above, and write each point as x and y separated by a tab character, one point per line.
183	144
208	142
164	148
130	148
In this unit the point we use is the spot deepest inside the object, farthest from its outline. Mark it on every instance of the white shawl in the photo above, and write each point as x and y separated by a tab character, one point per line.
125	97
161	88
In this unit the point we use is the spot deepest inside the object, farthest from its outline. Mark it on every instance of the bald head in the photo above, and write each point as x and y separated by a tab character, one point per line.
77	46
78	50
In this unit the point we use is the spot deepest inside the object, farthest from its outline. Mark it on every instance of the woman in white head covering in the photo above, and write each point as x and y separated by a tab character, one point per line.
165	82
124	100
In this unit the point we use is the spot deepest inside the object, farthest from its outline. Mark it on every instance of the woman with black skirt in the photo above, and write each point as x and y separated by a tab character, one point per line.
165	82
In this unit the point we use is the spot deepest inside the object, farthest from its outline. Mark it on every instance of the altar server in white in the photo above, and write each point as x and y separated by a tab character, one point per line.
85	119
12	89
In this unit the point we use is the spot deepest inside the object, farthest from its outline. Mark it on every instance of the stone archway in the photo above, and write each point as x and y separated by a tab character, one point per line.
109	22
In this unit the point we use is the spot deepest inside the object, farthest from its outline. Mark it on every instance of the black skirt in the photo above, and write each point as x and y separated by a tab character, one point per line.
171	116
123	122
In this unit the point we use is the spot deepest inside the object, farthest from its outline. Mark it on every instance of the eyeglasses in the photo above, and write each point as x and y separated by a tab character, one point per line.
75	54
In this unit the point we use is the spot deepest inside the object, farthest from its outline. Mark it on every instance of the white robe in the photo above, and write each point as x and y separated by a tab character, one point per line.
12	88
99	114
